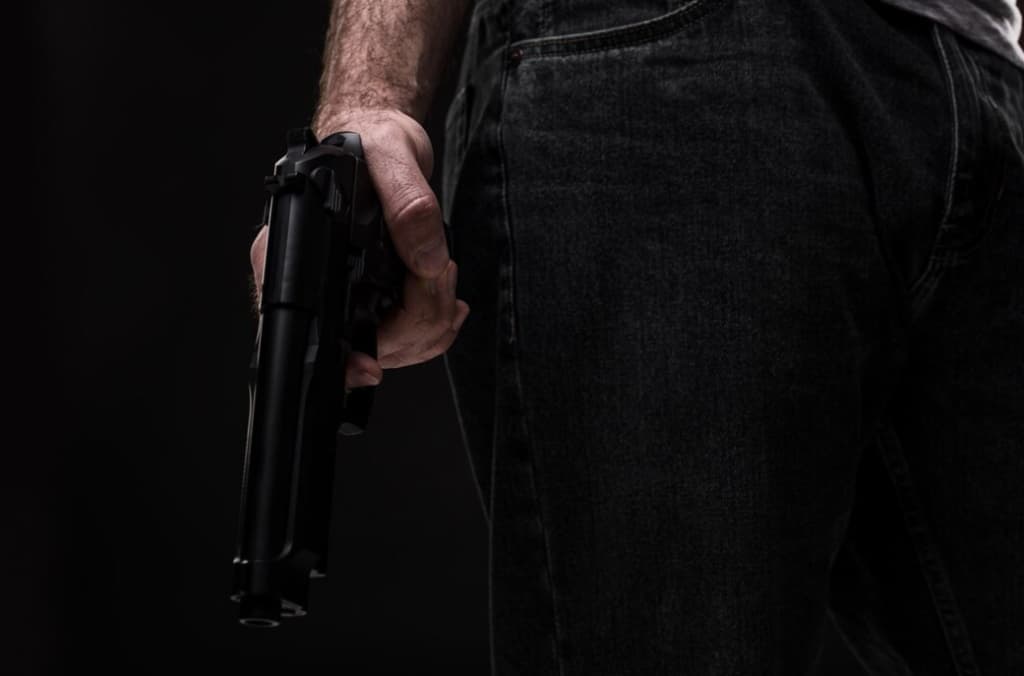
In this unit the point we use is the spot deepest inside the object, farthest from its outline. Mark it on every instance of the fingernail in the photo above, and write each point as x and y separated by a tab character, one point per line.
431	261
366	376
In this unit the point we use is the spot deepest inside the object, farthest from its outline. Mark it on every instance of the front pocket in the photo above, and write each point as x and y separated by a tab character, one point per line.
636	33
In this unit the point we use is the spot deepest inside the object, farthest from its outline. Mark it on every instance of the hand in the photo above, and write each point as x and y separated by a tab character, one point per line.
399	158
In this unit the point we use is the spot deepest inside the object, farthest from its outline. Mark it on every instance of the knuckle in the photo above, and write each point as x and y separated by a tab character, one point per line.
441	345
423	150
442	328
415	209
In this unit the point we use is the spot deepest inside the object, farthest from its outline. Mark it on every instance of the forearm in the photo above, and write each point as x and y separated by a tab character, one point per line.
385	54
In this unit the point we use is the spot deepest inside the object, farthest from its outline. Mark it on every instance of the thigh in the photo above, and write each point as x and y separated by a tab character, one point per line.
691	312
683	307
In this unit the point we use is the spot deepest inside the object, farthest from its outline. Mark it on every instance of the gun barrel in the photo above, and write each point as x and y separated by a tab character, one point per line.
331	271
282	541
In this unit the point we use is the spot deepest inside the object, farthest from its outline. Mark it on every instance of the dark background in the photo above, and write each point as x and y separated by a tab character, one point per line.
163	118
151	127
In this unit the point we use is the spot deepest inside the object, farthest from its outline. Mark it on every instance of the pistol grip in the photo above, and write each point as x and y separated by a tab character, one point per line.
355	415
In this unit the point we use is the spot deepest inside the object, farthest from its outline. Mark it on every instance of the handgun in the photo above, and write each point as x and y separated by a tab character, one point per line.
331	275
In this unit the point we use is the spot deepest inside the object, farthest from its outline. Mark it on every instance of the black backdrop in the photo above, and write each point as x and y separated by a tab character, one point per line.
151	127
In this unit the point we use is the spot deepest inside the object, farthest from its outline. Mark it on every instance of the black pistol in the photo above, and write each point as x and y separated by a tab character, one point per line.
331	275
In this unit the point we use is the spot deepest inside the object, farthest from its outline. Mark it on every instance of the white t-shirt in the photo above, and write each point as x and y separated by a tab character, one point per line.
995	24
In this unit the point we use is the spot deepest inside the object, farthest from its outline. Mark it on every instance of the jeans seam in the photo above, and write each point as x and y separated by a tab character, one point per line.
954	156
958	643
510	301
628	35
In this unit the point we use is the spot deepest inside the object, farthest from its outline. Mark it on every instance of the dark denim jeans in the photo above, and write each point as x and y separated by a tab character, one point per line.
745	349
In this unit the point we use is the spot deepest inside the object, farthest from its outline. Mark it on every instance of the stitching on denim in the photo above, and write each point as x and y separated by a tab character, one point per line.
454	149
954	156
453	105
481	6
621	36
940	589
925	291
511	302
869	660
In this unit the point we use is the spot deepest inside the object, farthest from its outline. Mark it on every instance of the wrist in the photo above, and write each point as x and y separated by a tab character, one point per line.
372	101
348	117
378	127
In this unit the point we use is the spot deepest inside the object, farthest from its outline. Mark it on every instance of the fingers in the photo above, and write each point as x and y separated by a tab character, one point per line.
257	259
399	158
421	328
362	370
424	327
258	254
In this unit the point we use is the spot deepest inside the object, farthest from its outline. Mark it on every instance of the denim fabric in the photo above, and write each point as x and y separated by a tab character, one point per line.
747	290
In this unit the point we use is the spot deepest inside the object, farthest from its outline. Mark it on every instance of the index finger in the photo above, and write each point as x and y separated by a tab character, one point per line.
399	164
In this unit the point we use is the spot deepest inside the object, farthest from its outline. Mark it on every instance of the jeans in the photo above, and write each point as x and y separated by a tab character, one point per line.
745	348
